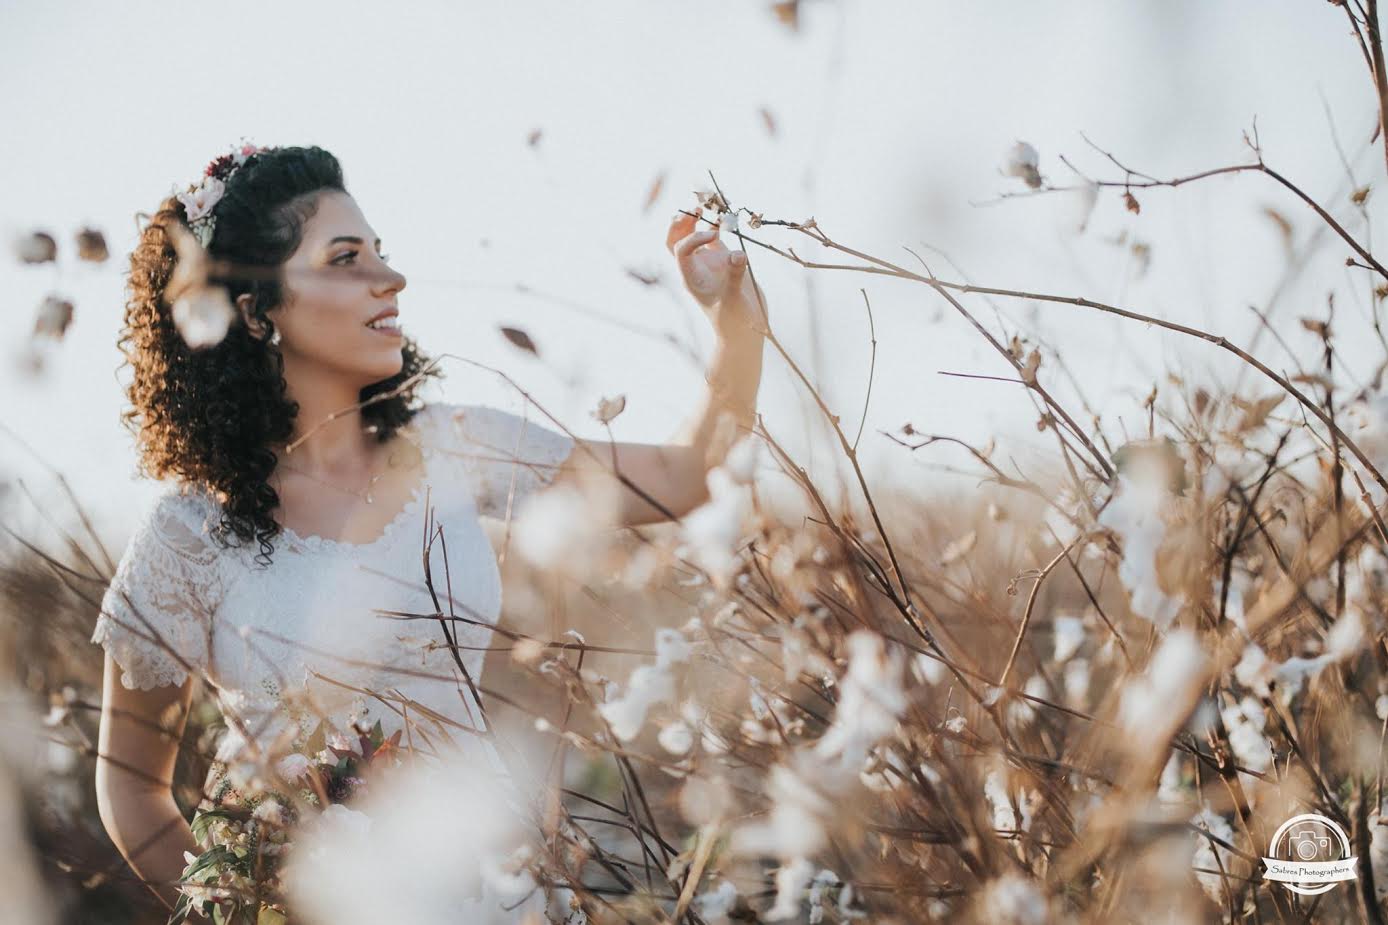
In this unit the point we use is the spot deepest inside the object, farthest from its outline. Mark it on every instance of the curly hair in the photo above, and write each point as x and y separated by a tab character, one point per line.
211	416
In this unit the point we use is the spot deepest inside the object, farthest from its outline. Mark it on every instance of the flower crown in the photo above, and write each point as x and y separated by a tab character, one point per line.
200	198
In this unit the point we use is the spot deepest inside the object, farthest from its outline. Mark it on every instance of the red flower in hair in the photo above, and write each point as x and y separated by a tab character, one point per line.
221	168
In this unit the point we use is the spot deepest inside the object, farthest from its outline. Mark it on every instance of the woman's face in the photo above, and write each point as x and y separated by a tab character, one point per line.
337	282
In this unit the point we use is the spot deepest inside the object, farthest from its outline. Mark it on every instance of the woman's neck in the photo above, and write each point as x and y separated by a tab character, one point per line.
323	445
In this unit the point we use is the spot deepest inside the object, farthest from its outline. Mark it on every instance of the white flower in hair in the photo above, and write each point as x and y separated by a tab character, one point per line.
199	200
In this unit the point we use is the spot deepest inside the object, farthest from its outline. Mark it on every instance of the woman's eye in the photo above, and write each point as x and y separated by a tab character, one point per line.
351	254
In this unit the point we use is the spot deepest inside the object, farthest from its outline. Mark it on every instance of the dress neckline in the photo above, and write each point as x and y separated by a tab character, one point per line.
316	542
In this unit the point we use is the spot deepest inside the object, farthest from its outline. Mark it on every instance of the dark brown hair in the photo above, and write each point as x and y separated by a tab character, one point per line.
210	416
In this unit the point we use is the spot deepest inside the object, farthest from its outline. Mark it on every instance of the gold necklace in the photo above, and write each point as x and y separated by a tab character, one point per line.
365	496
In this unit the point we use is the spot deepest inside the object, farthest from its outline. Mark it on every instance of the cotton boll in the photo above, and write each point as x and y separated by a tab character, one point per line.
714	906
647	686
1005	817
1205	854
553	526
676	738
1346	636
711	531
741	461
1022	161
885	771
1378	849
1021	710
928	669
1171	790
791	880
508	880
1015	900
1254	669
1368	426
1245	722
871	700
203	316
1148	701
401	857
1135	515
704	801
1069	635
671	648
819	887
794	827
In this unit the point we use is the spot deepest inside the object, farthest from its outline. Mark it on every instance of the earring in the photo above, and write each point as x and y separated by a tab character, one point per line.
275	338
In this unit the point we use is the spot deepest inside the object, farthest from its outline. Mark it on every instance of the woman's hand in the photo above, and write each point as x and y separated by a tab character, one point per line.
716	277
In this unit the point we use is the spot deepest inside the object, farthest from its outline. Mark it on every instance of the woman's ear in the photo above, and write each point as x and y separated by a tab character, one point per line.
245	307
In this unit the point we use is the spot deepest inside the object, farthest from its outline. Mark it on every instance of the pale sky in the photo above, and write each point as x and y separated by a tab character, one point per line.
891	119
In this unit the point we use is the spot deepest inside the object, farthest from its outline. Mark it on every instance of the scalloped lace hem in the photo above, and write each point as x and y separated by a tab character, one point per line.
141	669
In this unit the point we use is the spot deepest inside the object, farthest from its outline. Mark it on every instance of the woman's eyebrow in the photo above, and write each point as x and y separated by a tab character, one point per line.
352	239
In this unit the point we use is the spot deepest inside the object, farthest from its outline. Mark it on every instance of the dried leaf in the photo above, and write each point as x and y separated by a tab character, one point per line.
609	408
38	247
1131	202
91	245
768	120
1202	402
1319	328
1029	369
1256	412
645	277
1142	256
1312	379
788	14
520	339
1282	223
54	316
653	193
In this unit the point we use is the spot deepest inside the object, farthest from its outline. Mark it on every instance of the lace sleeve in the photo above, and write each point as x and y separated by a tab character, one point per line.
155	616
509	456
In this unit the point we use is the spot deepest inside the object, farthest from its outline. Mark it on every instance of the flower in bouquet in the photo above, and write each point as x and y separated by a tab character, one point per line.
244	831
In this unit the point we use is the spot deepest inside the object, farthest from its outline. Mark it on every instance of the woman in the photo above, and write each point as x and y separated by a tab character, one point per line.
262	571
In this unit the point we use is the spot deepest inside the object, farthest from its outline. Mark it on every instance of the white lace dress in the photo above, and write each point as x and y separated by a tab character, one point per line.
308	638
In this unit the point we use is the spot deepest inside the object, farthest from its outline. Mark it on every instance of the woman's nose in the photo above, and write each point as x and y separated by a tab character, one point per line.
392	280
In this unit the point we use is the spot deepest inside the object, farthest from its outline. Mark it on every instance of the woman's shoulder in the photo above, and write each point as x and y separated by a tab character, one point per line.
485	432
179	519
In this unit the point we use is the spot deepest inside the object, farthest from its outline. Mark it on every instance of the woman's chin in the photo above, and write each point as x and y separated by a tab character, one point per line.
387	367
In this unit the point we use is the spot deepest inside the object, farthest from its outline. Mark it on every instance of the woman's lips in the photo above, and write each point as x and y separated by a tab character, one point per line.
386	327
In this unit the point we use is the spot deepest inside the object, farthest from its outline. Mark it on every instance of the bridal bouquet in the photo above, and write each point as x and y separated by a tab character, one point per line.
244	831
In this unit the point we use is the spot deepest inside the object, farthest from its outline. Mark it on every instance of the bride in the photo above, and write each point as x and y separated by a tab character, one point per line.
309	489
